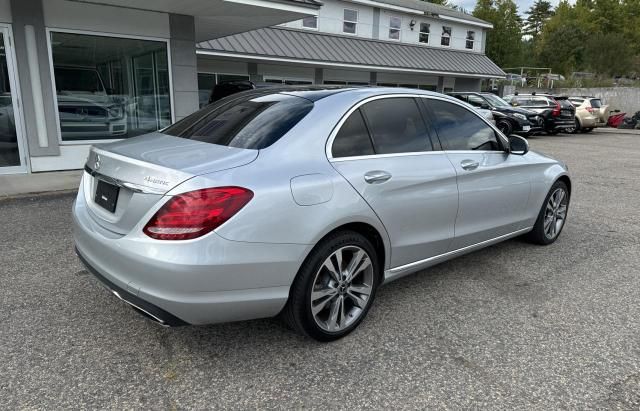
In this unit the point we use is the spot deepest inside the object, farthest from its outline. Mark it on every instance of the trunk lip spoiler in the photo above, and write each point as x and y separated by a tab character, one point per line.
137	188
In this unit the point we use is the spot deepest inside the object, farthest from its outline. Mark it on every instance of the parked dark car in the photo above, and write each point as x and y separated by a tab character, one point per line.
509	120
558	112
227	88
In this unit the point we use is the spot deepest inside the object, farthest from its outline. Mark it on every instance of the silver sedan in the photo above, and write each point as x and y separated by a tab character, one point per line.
302	202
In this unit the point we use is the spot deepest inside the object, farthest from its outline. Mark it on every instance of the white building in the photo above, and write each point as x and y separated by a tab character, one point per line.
77	72
409	43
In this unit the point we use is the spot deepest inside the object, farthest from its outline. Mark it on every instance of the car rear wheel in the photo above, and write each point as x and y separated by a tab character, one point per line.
574	130
334	288
552	216
505	127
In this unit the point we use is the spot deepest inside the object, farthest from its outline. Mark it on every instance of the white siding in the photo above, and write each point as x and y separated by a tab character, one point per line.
330	18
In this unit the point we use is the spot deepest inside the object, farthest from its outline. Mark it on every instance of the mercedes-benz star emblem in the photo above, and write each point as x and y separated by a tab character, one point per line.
97	163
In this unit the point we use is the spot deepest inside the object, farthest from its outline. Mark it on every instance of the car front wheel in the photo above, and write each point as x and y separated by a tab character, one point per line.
334	288
552	216
505	127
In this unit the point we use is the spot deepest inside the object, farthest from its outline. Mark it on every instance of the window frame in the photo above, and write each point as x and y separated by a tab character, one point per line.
427	33
315	18
470	40
49	30
448	37
355	22
425	111
398	29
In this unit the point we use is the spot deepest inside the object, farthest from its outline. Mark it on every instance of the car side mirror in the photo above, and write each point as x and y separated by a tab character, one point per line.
518	145
485	106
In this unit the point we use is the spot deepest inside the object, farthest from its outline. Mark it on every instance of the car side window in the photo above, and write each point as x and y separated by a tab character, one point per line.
353	138
476	101
460	129
396	126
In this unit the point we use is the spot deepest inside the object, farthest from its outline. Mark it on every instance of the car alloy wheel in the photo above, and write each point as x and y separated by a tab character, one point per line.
341	288
555	213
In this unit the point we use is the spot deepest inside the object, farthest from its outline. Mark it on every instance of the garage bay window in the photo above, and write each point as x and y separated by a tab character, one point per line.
109	87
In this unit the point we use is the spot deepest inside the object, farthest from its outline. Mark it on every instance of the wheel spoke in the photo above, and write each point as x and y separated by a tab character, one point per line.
357	300
330	266
562	211
333	315
325	292
360	289
358	263
560	197
317	308
343	319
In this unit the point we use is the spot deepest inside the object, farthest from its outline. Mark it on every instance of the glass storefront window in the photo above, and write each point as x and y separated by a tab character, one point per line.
9	152
110	87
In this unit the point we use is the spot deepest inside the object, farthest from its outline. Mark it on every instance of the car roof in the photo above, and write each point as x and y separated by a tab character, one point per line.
314	93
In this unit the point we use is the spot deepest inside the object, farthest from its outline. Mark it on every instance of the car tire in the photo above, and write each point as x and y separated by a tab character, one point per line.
324	303
575	130
505	127
552	216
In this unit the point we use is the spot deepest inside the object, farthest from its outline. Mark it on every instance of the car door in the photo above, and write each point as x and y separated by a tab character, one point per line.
384	150
494	185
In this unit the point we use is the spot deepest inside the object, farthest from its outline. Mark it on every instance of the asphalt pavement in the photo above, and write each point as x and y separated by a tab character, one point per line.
514	326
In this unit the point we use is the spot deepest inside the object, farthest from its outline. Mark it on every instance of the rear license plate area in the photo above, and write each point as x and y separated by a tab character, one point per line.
107	195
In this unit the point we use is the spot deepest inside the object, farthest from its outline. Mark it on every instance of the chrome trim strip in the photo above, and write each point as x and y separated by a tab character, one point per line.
136	188
406	267
452	100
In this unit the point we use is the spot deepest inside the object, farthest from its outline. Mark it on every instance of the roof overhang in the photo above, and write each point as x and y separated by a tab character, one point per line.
219	18
328	64
467	22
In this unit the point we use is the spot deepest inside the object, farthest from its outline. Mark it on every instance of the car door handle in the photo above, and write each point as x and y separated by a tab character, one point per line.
469	164
376	177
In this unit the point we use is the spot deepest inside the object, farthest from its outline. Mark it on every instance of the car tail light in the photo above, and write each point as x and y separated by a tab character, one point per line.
556	110
590	109
196	213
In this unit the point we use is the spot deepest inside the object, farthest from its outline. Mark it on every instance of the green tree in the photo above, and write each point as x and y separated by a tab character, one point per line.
504	41
538	14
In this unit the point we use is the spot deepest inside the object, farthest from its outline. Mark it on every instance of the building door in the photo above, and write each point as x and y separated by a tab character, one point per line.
12	159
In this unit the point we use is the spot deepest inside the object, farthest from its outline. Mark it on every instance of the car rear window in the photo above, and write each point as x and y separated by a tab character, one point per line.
245	120
596	103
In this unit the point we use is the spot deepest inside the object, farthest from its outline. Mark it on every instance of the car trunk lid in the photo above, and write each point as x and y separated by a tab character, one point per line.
125	179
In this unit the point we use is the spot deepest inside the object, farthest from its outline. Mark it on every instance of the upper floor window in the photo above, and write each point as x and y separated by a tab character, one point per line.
471	36
350	21
423	37
394	28
445	40
310	22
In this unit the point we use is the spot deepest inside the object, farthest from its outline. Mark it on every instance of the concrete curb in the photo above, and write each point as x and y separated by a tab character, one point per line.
20	185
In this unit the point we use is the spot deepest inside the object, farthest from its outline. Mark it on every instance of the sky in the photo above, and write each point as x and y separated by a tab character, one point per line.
523	5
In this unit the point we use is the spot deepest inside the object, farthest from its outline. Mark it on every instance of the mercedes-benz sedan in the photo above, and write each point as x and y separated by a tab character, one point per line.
302	202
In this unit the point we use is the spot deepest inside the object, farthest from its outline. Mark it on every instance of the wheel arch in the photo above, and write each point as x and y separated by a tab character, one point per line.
565	179
371	233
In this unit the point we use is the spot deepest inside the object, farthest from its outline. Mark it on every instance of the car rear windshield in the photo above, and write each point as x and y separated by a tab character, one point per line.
596	103
245	120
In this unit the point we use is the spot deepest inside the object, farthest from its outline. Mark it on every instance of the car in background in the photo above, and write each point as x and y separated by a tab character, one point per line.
590	113
85	107
508	119
558	113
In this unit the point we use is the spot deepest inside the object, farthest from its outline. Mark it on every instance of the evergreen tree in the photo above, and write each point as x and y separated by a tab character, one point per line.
539	13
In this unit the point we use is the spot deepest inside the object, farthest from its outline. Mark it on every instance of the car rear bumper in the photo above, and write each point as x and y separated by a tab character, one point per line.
203	281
